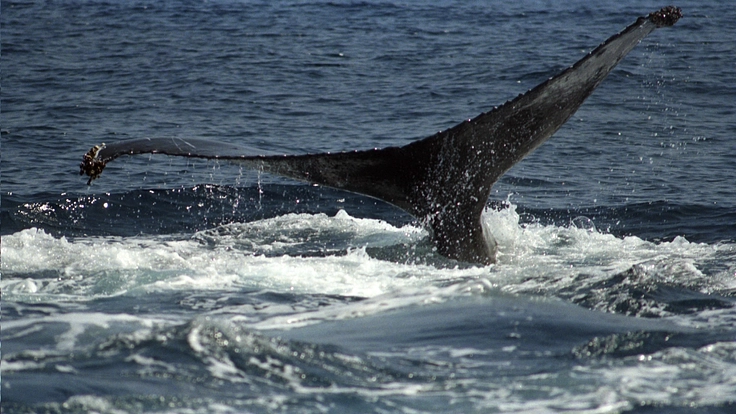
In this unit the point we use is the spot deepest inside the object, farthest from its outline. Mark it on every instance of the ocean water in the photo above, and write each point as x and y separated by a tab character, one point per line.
181	286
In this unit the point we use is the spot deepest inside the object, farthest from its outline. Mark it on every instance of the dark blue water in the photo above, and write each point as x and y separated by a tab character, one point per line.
189	286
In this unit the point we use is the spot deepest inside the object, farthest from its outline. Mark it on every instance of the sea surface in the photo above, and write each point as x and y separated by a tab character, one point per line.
182	286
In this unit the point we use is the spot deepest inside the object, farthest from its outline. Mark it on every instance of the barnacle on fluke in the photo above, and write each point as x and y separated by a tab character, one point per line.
667	16
91	164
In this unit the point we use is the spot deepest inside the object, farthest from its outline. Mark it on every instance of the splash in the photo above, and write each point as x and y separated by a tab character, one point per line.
344	255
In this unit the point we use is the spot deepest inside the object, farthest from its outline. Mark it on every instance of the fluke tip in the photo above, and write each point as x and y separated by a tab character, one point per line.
91	164
667	16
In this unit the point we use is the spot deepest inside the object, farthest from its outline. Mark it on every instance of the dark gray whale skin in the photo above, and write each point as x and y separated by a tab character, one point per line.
443	180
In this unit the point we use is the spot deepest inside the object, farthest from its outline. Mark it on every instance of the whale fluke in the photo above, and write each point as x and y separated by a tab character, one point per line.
444	180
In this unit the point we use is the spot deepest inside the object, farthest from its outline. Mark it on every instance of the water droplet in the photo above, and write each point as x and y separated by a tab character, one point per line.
584	223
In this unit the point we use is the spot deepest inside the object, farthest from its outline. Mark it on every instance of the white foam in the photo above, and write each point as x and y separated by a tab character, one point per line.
672	376
79	325
532	257
548	258
221	262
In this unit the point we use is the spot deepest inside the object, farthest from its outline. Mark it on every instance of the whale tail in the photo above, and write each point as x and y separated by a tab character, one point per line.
444	180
